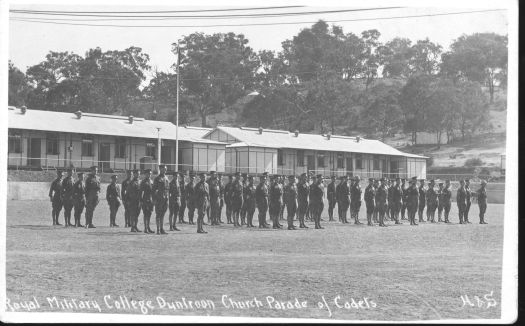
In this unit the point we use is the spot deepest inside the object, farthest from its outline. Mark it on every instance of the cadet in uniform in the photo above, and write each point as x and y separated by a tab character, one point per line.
215	198
316	200
182	207
469	200
370	195
482	201
146	199
404	205
432	202
376	211
330	194
422	200
381	201
92	190
55	195
79	198
397	200
355	199
343	198
412	195
283	201
275	196
250	202
133	199
261	196
390	205
291	201
447	197
237	199
303	191
228	199
174	201
67	196
461	199
243	208
189	194
113	199
202	197
440	195
123	188
221	200
161	194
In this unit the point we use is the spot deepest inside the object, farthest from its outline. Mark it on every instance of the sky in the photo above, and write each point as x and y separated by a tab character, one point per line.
29	42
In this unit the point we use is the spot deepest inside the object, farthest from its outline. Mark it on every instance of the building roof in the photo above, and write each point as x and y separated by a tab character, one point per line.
102	124
285	139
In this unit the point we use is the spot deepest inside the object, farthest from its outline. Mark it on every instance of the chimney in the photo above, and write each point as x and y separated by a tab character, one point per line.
296	133
328	135
357	139
130	119
23	109
79	114
260	130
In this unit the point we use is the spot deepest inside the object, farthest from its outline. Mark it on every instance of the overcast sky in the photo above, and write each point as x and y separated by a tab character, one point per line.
30	42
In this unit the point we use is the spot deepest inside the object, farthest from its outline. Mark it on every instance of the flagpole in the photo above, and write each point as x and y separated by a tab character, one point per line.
177	118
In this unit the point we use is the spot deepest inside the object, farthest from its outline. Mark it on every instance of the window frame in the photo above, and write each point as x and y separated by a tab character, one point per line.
321	160
150	146
359	162
87	148
376	165
280	157
14	144
300	157
54	149
120	152
340	161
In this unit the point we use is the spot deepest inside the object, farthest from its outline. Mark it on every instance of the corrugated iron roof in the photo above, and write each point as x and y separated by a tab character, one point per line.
285	139
101	124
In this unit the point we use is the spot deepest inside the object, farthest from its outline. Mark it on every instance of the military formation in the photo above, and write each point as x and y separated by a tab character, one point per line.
302	198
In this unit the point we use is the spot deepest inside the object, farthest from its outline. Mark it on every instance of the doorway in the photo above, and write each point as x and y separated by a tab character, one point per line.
35	147
104	156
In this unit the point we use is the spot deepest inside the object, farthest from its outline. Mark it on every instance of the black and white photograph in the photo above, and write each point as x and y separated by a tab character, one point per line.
244	161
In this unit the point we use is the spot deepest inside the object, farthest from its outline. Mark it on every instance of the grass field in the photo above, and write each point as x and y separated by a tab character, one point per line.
409	273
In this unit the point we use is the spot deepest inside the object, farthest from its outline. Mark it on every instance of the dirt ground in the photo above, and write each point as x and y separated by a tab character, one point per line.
400	272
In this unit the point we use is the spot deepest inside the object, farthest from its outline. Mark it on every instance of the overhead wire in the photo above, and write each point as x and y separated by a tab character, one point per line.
153	11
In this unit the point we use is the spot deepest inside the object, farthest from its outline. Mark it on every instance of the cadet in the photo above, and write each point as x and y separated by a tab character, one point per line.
355	199
370	194
283	201
291	201
422	199
343	198
133	199
215	198
237	199
243	208
182	207
447	197
123	188
432	202
390	206
55	195
261	196
174	200
331	195
146	199
189	195
316	200
221	201
381	201
161	194
482	201
440	195
275	197
303	190
228	199
202	197
397	200
404	205
469	200
412	196
79	198
67	197
461	199
250	202
92	190
113	199
376	211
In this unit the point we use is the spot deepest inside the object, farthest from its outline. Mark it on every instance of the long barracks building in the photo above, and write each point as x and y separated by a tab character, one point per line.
48	140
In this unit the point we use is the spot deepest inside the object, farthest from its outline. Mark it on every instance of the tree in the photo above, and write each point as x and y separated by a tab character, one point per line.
371	57
414	100
395	57
18	88
474	112
480	57
425	56
383	114
443	107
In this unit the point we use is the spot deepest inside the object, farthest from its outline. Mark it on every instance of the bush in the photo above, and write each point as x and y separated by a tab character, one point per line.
473	162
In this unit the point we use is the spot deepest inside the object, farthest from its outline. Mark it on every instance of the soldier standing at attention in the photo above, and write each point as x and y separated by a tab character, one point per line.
228	199
202	197
113	199
390	207
291	201
261	196
55	195
215	198
376	211
412	195
404	205
123	188
316	200
381	201
370	195
67	197
343	199
175	194
469	200
182	208
303	190
221	200
355	199
161	194
92	191
310	182
422	199
397	200
432	202
282	178
274	201
133	199
79	198
243	208
146	199
250	202
189	194
237	199
447	197
461	199
482	201
440	196
331	195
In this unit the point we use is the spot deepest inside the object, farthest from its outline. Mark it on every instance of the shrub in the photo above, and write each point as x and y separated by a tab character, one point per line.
473	162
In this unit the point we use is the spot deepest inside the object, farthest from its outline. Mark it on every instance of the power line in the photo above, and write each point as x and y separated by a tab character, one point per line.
223	16
37	20
149	11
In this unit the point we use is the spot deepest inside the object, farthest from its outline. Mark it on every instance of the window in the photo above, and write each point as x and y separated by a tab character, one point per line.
15	143
376	163
52	144
349	164
340	161
120	148
385	168
300	158
87	147
151	150
358	162
320	160
280	157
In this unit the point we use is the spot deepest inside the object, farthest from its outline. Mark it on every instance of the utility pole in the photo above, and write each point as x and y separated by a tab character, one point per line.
177	115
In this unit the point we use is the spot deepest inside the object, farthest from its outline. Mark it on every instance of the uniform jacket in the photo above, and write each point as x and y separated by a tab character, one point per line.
316	193
446	195
412	195
276	193
397	194
146	191
432	197
202	194
303	191
250	194
291	194
215	189
237	192
482	196
189	193
468	194
113	193
79	191
461	197
67	189
175	193
381	195
370	194
133	191
355	193
343	192
124	187
422	195
92	185
161	188
331	191
55	191
261	194
228	193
